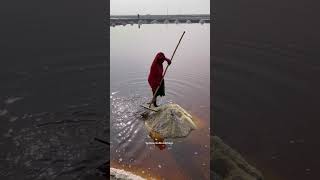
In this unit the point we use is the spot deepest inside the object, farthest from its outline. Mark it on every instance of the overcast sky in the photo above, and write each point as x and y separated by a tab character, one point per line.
133	7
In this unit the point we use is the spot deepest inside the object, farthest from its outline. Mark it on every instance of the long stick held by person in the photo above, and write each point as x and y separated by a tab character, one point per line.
155	76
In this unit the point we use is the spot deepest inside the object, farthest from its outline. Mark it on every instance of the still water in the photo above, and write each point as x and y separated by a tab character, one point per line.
132	50
266	91
53	89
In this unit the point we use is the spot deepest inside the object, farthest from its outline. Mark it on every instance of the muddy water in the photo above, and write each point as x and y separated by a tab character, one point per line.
187	83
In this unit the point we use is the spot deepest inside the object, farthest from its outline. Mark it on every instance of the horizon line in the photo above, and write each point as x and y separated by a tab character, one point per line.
154	14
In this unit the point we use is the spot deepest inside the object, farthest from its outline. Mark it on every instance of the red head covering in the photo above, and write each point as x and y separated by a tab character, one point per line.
159	57
156	71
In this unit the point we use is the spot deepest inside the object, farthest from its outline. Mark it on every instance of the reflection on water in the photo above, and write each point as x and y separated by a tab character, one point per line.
187	83
158	140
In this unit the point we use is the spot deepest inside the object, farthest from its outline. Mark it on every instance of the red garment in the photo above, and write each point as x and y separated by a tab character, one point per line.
156	71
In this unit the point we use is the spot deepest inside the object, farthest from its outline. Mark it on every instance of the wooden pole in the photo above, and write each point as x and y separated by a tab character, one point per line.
165	71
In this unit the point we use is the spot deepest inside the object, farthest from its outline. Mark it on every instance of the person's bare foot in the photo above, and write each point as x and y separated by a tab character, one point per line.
155	104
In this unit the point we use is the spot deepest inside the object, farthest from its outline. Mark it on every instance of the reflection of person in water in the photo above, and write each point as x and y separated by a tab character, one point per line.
158	140
155	76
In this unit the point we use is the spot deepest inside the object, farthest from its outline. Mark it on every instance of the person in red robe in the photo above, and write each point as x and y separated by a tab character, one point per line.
155	76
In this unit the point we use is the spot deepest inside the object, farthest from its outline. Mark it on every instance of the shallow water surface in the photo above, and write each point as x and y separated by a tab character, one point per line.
45	147
187	83
266	88
53	89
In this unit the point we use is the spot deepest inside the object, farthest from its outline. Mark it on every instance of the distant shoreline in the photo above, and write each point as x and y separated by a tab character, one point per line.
159	19
112	15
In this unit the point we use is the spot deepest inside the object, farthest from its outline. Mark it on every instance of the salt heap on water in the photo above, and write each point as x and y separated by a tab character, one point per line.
170	121
120	174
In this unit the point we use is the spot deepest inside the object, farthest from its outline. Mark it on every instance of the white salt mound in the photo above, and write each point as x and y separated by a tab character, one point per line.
120	174
171	121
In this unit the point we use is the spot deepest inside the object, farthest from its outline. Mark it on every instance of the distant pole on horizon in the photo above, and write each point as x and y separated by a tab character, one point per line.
167	7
